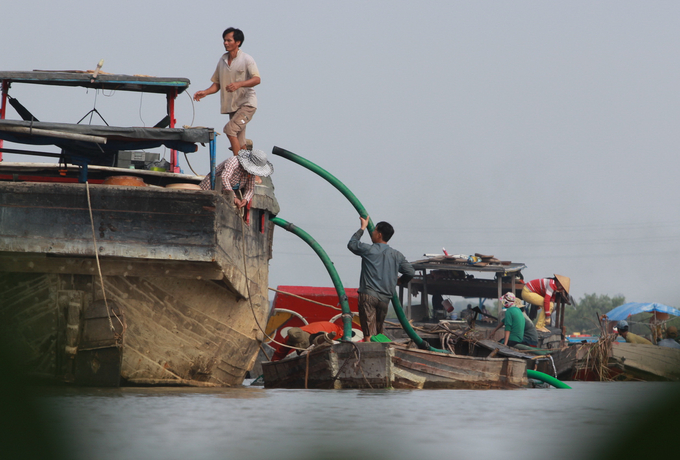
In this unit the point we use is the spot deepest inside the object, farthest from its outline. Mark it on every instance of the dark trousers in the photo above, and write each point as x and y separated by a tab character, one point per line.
372	313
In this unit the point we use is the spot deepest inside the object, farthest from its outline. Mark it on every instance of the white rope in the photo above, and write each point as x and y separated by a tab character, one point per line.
99	268
239	213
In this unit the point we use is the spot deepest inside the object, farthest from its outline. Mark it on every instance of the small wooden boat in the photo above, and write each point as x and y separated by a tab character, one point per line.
646	362
291	308
391	365
631	361
611	359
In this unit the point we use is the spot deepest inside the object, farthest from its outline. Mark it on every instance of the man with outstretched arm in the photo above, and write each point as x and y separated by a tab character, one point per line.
380	268
235	76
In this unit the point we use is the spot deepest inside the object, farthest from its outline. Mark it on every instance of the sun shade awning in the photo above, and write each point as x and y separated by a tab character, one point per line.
633	308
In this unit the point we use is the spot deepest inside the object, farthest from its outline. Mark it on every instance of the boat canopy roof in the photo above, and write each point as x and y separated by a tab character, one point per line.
138	83
444	263
101	143
633	308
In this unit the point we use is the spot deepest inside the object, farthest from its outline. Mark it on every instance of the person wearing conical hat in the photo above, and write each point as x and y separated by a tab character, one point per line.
239	172
542	293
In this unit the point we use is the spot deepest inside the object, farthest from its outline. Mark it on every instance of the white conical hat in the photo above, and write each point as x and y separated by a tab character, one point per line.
255	162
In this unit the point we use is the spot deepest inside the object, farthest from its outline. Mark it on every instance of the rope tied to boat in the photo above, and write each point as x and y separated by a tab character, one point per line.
117	336
240	213
357	364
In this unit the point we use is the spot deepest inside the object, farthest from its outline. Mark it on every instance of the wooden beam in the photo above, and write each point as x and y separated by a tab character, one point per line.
40	263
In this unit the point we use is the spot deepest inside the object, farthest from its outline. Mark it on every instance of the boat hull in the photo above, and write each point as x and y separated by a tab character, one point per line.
631	361
388	365
173	299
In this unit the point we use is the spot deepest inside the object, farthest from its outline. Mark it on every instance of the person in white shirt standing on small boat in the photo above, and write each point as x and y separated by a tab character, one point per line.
235	77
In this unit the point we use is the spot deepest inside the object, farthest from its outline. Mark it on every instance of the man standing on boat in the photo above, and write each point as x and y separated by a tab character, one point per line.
380	268
235	76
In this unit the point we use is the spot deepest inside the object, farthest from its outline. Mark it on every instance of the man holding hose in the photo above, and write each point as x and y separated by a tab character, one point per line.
380	268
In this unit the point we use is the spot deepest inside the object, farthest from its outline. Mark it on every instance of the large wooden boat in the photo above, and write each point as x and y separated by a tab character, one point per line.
101	284
390	365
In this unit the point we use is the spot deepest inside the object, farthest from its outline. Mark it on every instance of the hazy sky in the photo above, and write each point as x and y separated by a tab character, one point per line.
539	132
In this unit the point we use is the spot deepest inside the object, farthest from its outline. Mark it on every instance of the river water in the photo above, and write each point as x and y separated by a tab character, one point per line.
585	422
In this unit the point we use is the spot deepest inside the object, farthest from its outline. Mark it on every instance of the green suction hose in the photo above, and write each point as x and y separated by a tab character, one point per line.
547	379
328	263
342	188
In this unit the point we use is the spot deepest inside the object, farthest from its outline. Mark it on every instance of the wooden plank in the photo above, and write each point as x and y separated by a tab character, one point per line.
662	362
111	266
459	369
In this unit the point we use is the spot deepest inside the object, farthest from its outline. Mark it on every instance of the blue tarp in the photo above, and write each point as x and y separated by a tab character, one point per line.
633	308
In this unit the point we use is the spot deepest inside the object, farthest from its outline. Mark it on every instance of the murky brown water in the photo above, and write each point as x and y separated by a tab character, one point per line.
254	423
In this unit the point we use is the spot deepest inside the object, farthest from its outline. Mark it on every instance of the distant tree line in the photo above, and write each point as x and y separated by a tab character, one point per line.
582	317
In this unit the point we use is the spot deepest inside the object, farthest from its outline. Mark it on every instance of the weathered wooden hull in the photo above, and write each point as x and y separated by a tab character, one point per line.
385	365
630	361
184	282
559	363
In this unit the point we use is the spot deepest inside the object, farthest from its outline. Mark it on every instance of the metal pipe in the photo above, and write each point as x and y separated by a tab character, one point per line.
328	263
171	95
3	107
52	133
213	154
342	188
